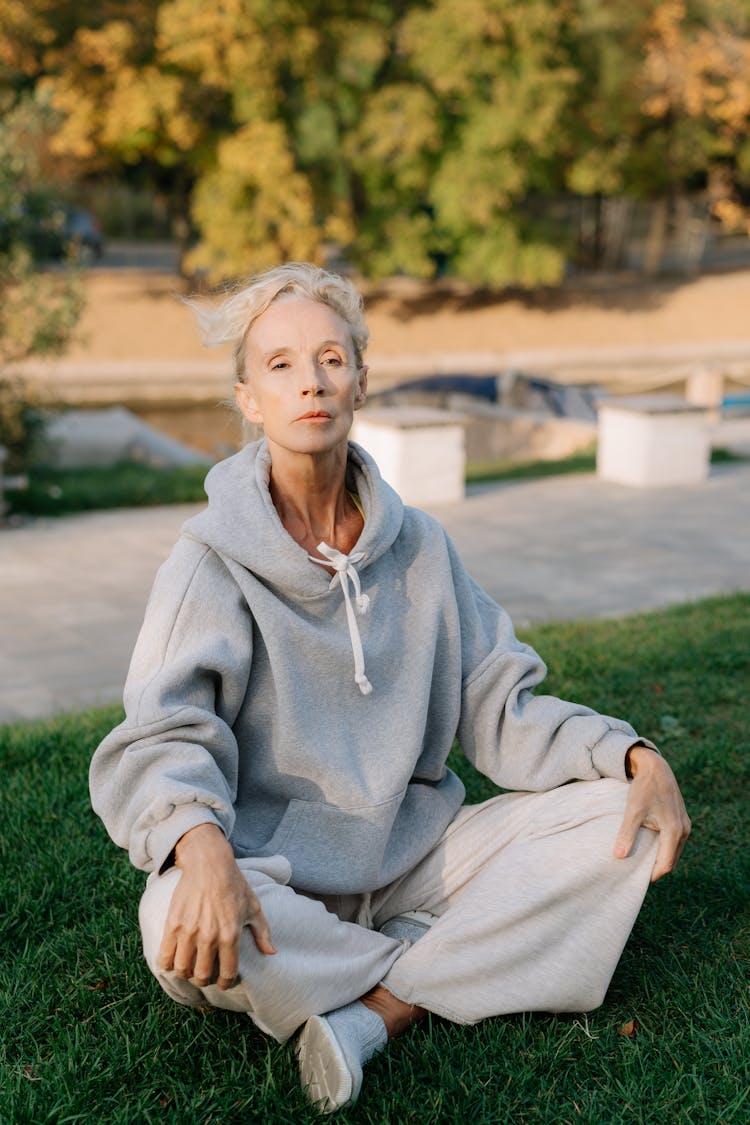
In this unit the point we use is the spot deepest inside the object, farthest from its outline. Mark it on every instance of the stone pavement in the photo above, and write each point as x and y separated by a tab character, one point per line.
72	590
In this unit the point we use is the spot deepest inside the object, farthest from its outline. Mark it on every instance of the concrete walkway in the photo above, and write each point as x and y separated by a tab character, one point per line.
73	590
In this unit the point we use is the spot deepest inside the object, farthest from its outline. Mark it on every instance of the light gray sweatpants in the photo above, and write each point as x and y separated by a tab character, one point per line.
532	913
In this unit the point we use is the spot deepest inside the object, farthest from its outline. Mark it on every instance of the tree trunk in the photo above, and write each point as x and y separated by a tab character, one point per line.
657	236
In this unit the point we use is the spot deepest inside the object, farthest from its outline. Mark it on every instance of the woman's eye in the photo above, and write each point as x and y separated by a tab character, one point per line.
333	361
279	365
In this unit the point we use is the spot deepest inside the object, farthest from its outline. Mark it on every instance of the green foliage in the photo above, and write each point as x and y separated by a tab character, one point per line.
21	423
38	311
53	492
417	137
582	462
88	1036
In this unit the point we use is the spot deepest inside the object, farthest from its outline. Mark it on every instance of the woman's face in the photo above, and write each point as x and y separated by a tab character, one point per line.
302	381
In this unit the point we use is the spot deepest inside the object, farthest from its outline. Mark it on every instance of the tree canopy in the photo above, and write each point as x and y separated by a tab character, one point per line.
411	134
38	311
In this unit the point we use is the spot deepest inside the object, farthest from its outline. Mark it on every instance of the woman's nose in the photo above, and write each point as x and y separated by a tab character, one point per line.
312	387
312	381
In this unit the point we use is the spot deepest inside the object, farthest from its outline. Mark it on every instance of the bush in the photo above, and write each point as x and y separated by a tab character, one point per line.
55	492
21	422
38	311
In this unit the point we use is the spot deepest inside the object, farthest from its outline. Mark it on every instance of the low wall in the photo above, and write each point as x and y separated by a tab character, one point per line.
504	433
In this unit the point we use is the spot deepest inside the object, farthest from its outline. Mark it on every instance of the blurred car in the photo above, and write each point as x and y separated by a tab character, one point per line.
51	230
82	234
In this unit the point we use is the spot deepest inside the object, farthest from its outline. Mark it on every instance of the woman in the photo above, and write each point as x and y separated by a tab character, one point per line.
310	651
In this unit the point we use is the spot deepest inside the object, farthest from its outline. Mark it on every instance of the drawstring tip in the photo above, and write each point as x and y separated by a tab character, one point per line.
364	685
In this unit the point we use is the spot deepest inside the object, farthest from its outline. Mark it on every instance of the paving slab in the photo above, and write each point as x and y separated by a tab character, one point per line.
73	590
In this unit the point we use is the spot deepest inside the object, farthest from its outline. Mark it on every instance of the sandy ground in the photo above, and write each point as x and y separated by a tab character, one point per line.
138	315
138	344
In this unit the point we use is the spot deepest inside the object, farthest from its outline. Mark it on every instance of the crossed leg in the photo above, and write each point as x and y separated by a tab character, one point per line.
533	910
532	914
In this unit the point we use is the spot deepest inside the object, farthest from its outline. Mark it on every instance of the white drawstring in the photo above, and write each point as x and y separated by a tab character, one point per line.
345	573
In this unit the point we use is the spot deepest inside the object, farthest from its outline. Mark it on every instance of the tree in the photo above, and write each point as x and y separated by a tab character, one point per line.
225	100
26	32
696	83
474	133
413	133
38	311
409	133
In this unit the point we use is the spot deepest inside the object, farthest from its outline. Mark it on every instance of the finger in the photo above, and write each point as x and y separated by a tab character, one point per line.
226	976
184	958
228	962
666	857
165	958
261	932
204	970
671	846
256	920
626	834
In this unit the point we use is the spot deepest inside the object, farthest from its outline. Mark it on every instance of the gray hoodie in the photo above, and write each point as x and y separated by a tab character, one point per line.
242	706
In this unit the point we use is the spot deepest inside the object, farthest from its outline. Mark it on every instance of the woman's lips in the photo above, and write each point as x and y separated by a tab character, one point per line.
315	416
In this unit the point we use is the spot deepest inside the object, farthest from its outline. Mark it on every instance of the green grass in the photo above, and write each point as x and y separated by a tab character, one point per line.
582	462
87	1036
57	492
54	492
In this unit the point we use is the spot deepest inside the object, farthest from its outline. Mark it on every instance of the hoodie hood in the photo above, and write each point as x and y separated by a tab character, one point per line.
242	524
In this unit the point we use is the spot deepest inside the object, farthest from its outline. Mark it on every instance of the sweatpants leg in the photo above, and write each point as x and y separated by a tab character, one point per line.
321	962
533	909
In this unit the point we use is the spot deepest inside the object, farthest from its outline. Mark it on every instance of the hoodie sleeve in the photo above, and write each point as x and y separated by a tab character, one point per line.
522	740
172	764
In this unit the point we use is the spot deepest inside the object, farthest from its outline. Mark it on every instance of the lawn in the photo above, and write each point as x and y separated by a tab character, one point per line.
87	1036
57	492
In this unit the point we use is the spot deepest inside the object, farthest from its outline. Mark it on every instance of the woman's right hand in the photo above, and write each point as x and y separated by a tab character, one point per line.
210	907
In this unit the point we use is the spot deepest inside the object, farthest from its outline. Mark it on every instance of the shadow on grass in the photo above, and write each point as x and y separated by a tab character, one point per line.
88	1036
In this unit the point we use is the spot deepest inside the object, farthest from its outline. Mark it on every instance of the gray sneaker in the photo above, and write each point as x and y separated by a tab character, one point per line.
327	1077
409	926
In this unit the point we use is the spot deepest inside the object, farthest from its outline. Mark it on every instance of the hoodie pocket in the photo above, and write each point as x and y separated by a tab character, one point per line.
332	849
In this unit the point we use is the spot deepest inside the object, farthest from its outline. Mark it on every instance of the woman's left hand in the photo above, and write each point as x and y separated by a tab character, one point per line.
654	801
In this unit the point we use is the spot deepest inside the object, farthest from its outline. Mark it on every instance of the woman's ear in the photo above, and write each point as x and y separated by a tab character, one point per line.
361	393
246	404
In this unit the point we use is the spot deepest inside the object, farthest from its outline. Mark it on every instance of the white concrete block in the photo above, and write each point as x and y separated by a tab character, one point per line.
653	440
420	451
705	387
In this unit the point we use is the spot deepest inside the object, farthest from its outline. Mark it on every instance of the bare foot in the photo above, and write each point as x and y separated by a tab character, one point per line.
395	1014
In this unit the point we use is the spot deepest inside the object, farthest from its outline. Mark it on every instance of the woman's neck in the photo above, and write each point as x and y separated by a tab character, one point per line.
309	493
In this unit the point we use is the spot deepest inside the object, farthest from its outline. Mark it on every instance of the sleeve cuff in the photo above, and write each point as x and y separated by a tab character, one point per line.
608	756
163	838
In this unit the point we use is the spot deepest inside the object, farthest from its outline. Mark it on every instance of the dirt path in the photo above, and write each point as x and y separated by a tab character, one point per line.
138	316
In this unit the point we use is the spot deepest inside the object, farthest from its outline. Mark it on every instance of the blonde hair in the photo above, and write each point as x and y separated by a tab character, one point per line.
229	321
